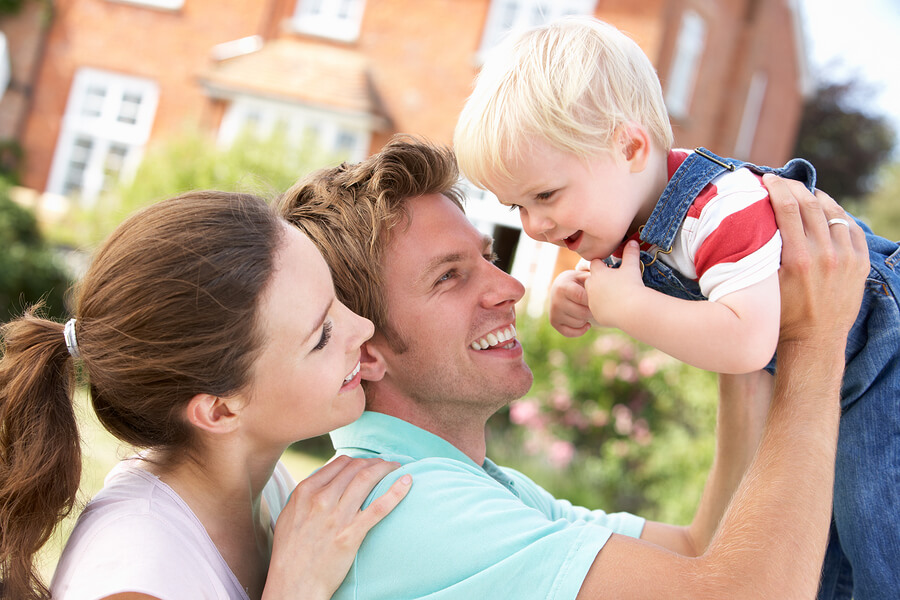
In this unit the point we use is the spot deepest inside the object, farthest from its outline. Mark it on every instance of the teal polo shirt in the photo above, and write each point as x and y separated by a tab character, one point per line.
467	531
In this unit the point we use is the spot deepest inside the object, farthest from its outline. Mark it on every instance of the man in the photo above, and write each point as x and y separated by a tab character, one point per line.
444	358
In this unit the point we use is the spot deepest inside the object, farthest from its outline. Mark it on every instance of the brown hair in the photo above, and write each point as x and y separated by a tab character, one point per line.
349	211
167	310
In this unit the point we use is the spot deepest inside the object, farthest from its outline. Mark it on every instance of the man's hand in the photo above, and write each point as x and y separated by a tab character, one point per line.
569	312
823	268
611	291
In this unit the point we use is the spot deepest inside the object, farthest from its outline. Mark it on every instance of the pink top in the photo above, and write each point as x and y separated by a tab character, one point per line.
138	535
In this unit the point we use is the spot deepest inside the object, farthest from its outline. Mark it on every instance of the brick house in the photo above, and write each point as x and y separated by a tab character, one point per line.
117	74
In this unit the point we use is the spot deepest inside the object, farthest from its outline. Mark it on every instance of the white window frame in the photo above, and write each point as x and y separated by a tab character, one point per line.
686	59
5	65
263	116
99	120
334	19
756	94
160	4
505	16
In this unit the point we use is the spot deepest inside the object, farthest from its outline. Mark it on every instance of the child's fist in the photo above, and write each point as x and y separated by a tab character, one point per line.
569	312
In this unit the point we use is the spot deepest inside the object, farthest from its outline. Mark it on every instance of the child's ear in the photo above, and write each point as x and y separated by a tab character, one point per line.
635	143
213	413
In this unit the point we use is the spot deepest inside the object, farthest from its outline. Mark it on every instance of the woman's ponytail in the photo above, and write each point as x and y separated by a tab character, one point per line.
40	453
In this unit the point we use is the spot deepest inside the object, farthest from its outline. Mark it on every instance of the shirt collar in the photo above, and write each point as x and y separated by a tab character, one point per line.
384	434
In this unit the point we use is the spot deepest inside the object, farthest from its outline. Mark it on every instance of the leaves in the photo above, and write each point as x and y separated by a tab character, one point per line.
846	143
610	424
29	271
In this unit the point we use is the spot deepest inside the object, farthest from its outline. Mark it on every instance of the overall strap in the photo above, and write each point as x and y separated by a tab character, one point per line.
698	169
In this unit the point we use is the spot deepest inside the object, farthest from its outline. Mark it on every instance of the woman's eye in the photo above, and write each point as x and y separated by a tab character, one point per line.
513	207
544	195
326	335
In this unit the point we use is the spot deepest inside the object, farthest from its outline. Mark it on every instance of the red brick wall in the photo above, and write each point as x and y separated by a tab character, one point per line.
169	47
423	60
743	36
423	57
24	37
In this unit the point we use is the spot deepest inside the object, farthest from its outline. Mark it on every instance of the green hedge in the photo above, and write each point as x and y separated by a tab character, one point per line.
610	424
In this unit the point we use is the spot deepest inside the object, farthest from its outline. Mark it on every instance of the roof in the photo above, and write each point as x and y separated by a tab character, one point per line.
299	71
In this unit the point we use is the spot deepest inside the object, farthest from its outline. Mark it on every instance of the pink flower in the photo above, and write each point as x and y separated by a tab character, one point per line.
561	454
624	423
647	366
642	434
524	412
561	400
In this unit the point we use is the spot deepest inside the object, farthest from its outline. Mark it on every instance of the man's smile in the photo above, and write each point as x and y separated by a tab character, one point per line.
504	337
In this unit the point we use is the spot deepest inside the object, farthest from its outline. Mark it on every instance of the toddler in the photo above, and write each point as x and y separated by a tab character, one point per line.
567	125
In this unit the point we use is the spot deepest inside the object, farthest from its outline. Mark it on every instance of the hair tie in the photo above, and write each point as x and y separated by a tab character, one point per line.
71	341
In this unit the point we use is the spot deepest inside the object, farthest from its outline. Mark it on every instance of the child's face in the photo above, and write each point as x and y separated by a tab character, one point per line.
588	206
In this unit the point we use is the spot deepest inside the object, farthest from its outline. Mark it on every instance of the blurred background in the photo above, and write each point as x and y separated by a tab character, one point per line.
109	105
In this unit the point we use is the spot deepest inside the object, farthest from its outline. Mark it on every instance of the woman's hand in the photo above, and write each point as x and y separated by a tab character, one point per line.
321	527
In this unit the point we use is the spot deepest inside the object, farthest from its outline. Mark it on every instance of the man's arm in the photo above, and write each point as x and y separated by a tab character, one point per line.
739	330
742	410
772	537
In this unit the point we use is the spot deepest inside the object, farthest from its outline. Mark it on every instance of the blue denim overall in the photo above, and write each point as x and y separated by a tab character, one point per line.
863	556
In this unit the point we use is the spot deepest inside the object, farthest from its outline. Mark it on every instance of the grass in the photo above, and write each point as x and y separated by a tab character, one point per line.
100	452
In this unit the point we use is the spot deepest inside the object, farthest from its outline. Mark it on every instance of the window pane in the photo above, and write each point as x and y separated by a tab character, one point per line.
112	169
92	106
78	160
128	110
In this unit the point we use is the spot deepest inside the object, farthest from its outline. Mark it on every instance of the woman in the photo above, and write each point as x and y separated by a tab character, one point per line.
210	337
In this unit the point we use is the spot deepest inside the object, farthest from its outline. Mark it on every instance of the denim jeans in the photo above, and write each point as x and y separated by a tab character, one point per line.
863	556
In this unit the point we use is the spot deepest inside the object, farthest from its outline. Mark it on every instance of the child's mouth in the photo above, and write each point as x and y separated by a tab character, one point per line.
573	240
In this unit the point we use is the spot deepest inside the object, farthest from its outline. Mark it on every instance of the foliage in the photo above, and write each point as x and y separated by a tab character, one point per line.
610	424
845	143
11	156
10	7
882	207
28	269
191	161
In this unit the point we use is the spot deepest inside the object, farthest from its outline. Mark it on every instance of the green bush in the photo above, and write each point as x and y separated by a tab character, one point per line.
192	161
29	271
610	424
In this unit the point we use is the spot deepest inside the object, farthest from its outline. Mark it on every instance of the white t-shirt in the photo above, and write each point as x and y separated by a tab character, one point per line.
138	535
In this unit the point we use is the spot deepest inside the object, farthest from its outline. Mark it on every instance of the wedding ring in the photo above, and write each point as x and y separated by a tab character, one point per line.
843	222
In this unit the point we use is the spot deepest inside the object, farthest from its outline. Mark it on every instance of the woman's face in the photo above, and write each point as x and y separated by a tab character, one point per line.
306	380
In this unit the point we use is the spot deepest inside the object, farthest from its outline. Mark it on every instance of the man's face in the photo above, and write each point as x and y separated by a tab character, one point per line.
445	298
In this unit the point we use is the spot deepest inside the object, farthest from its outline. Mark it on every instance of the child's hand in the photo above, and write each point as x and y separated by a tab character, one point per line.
610	290
569	312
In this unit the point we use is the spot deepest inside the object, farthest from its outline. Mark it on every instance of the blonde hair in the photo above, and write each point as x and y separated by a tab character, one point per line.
571	84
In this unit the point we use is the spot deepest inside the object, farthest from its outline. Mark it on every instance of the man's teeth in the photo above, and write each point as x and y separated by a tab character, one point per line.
350	377
495	338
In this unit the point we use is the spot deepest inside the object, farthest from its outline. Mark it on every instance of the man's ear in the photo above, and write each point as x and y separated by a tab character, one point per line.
372	364
213	413
635	144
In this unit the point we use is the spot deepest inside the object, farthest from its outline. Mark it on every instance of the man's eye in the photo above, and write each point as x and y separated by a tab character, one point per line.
326	335
447	276
492	257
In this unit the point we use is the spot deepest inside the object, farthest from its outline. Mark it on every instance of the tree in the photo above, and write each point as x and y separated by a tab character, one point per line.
846	143
882	207
29	271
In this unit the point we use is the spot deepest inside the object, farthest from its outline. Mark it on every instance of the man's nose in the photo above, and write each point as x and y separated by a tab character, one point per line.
501	288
